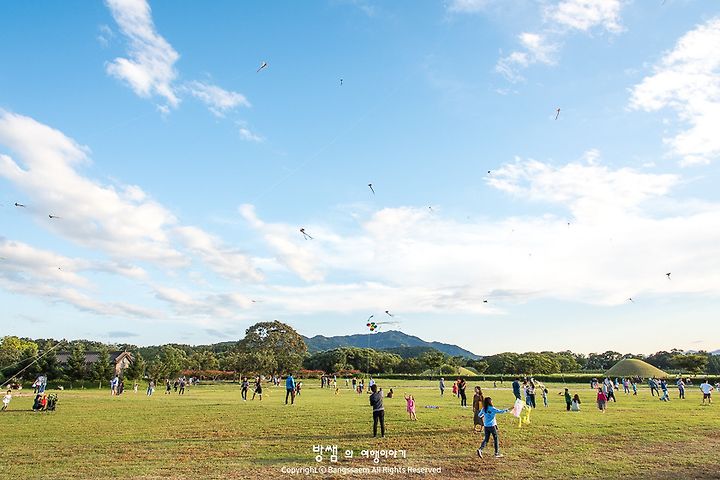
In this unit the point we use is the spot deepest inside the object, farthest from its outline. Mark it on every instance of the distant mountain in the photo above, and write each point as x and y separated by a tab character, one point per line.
386	341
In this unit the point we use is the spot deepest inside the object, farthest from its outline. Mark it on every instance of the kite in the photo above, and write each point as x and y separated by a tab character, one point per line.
372	325
262	65
668	275
557	113
371	188
630	299
485	301
53	216
305	235
341	82
19	205
388	313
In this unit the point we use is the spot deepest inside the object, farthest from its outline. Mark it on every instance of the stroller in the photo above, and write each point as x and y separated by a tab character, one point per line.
51	402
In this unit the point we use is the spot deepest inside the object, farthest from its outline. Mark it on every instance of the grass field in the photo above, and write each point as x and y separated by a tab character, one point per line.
211	433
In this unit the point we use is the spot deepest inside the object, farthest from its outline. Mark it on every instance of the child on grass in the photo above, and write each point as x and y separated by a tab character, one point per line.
575	407
601	400
545	397
6	400
411	406
488	413
568	399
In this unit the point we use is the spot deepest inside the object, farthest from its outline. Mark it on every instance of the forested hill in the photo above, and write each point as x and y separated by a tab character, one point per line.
390	341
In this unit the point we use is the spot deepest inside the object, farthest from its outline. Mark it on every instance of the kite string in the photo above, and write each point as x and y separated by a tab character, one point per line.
30	364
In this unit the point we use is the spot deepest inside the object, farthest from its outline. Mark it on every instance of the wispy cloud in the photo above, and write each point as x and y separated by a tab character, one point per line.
247	134
687	80
150	68
559	20
585	15
218	100
468	6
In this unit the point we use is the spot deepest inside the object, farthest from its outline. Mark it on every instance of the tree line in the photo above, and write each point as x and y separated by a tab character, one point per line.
276	348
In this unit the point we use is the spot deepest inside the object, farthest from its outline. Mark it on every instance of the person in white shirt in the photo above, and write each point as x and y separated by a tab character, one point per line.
6	400
706	389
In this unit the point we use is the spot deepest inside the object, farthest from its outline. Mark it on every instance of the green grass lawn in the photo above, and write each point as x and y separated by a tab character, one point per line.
211	433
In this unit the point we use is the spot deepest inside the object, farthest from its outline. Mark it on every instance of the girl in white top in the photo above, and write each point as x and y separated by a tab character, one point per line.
6	400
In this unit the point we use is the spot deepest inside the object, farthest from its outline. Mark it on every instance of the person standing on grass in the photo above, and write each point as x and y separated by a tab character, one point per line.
681	388
290	389
168	386
575	407
666	396
376	402
601	400
411	406
244	386
568	399
442	386
258	388
6	400
545	396
516	388
135	386
488	413
461	392
151	388
182	386
634	387
455	388
477	406
652	383
707	391
530	394
611	392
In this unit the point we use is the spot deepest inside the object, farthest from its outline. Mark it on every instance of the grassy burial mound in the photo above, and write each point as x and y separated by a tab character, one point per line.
632	367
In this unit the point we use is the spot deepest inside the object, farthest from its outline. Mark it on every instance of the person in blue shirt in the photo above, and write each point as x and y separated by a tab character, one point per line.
516	388
487	414
290	389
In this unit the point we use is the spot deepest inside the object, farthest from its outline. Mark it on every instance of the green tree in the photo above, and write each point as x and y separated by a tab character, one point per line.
173	360
76	369
16	354
136	369
275	345
692	363
102	370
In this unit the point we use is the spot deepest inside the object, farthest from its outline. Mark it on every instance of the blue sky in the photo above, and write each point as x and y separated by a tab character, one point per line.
182	175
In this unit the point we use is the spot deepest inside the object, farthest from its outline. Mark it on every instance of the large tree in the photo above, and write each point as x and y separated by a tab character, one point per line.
102	369
278	345
136	369
76	369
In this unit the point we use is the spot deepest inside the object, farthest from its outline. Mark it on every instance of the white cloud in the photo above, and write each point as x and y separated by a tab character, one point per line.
26	270
589	191
217	99
227	262
247	134
150	70
284	241
537	49
687	80
468	6
559	20
584	15
121	221
619	244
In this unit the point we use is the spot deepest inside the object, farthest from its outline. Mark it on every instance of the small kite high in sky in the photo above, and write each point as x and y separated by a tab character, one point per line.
557	113
262	65
631	300
305	235
371	188
389	314
19	205
53	216
341	82
668	275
